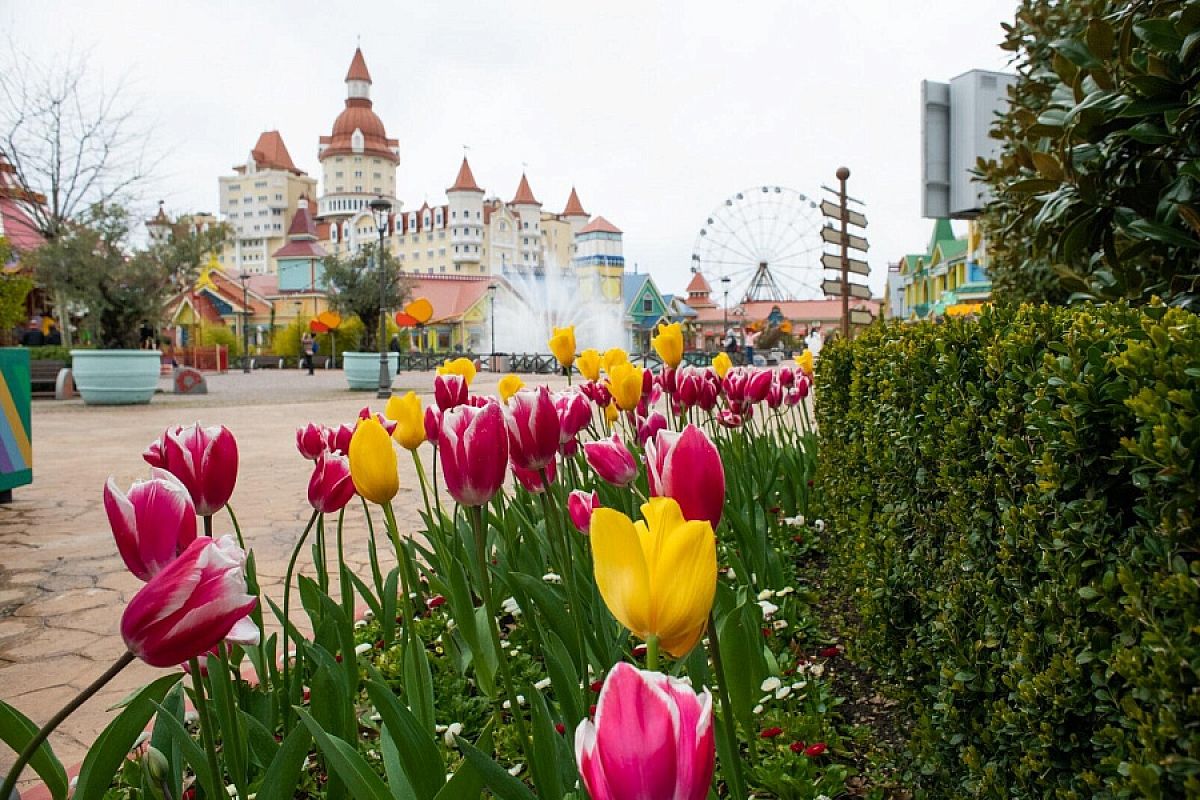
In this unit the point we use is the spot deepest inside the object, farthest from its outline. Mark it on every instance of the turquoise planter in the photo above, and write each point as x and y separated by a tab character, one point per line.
362	369
116	377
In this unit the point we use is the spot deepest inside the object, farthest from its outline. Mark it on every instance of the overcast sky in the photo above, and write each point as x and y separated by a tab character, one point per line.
656	111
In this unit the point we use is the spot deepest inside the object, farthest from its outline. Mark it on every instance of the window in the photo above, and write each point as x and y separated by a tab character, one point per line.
278	196
338	174
358	188
358	173
262	198
260	184
234	187
378	176
442	251
647	305
453	215
338	159
375	161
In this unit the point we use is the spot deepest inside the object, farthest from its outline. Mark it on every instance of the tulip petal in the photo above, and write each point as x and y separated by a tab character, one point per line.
589	762
695	747
685	577
622	574
373	462
637	723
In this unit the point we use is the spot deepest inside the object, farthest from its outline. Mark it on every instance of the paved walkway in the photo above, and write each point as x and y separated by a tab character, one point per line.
62	584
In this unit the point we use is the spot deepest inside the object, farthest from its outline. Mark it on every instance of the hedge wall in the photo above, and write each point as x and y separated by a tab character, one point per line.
1014	505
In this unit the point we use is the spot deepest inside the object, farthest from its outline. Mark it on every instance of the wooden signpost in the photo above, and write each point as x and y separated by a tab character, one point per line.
841	260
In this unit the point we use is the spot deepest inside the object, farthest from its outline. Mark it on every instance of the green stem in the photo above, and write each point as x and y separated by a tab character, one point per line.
424	485
736	781
346	588
319	556
410	613
206	728
373	550
652	653
476	515
237	529
10	783
287	626
208	525
567	570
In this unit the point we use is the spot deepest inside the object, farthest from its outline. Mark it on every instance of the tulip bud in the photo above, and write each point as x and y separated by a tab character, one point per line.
508	386
652	738
758	385
433	424
611	460
669	343
562	345
331	486
373	462
728	418
803	386
533	429
389	425
580	505
787	377
650	426
189	606
312	440
449	391
687	468
775	395
625	383
205	460
473	444
410	423
531	479
574	414
721	364
339	438
152	524
588	364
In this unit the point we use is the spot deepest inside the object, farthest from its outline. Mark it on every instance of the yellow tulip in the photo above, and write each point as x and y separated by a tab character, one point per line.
410	420
658	577
510	385
373	462
805	360
722	364
588	364
612	357
625	383
562	344
459	366
669	344
611	413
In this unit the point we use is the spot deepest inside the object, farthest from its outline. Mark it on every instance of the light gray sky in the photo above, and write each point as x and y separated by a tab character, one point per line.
656	111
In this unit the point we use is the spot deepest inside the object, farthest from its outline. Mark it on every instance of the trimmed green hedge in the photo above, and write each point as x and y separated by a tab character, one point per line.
1013	502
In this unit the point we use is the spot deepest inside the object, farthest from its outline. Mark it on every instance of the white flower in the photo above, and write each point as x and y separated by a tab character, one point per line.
780	624
816	670
363	649
516	770
765	594
453	730
544	683
439	728
520	701
795	522
510	606
358	626
732	575
819	524
782	692
552	577
368	615
770	684
768	608
758	709
505	644
798	685
785	591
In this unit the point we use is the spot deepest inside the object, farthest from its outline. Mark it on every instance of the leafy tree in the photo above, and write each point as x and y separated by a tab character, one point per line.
90	263
1098	184
353	283
14	288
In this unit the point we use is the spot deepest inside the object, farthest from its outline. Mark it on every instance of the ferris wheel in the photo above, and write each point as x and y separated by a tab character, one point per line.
763	243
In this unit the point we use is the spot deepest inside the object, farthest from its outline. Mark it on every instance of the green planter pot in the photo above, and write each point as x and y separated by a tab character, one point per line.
362	369
116	377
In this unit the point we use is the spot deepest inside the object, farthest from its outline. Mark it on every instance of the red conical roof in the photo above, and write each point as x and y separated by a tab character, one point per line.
465	182
358	68
601	225
699	285
270	152
574	207
302	224
524	194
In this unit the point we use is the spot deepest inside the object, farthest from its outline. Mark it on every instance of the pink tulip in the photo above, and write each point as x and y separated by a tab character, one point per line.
710	392
339	438
758	385
152	524
792	398
612	461
312	440
729	419
775	395
204	459
687	468
532	425
330	488
734	384
787	377
803	385
649	427
194	602
449	391
580	505
473	445
652	739
531	479
687	386
668	379
574	414
389	425
433	423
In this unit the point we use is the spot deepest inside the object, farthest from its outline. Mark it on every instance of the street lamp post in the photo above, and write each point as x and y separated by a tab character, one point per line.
245	322
725	280
380	208
492	315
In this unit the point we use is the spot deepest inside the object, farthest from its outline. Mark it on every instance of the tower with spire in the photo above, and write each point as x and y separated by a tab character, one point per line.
465	205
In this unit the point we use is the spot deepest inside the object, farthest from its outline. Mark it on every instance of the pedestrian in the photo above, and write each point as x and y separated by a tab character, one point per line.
307	346
33	336
751	338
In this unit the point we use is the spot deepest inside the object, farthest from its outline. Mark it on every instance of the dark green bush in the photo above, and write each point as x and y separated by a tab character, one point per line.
1014	501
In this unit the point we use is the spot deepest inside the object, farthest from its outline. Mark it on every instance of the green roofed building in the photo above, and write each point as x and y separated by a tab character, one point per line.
950	278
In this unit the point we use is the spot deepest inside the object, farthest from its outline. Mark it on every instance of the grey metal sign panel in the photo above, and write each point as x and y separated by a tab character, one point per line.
858	317
834	211
834	236
834	261
834	289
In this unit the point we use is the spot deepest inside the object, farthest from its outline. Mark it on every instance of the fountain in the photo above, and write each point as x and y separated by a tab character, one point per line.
532	305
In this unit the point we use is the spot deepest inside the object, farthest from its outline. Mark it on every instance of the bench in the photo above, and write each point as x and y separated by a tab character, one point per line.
266	361
43	376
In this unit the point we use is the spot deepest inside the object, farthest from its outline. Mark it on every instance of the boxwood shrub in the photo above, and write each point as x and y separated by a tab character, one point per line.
1013	503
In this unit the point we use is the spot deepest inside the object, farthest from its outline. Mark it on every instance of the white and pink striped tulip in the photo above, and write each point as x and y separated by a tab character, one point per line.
533	428
152	524
473	447
611	460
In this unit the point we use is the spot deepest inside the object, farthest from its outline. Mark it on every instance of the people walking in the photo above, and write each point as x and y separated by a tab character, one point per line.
308	347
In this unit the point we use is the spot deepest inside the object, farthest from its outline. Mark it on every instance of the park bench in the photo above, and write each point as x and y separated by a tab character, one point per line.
43	376
266	361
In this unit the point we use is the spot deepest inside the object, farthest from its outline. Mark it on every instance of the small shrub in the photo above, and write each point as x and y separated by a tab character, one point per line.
1015	503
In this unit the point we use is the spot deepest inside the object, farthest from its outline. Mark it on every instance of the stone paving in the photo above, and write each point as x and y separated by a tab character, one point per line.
63	586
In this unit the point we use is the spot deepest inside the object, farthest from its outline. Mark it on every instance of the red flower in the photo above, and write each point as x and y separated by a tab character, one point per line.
437	601
814	750
771	733
796	747
766	631
592	710
558	726
597	686
830	652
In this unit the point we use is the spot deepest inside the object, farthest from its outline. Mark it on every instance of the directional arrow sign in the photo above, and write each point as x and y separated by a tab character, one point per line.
834	236
834	211
861	317
834	289
834	261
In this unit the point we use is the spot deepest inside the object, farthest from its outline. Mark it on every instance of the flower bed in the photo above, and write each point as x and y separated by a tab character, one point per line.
498	652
